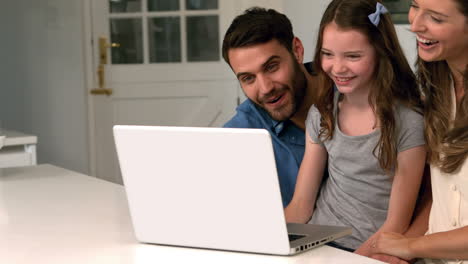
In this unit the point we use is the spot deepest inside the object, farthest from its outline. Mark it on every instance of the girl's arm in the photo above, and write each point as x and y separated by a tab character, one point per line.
405	188
420	220
301	207
444	245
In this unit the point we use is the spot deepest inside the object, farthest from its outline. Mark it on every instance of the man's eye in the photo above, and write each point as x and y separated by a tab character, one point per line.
271	67
247	79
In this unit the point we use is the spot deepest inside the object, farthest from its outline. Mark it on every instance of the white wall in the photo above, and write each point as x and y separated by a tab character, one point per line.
11	88
408	43
305	16
42	90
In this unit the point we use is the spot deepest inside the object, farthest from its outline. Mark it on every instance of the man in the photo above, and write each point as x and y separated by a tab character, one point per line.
267	59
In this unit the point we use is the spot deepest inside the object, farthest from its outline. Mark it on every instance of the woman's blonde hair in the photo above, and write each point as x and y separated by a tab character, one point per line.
447	139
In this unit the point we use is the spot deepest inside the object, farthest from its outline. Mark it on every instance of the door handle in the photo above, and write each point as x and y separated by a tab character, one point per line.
103	46
101	82
99	91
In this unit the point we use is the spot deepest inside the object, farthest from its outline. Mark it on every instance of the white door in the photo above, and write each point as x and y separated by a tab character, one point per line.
163	68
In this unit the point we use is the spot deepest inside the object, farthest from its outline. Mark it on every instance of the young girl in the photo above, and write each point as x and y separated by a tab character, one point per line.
441	29
366	124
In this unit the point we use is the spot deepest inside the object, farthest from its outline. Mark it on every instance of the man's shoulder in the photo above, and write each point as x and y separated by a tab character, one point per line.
247	116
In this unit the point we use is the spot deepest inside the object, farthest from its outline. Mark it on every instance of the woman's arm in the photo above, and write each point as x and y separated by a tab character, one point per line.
309	178
443	245
405	188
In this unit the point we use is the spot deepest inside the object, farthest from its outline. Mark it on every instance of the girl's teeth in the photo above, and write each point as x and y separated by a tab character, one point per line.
343	79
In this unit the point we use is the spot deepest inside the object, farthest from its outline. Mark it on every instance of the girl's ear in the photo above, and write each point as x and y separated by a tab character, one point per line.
298	50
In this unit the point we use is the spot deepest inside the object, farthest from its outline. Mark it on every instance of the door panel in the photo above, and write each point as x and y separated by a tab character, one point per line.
179	103
156	75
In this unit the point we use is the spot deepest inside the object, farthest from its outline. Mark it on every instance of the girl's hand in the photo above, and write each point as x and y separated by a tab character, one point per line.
297	214
393	244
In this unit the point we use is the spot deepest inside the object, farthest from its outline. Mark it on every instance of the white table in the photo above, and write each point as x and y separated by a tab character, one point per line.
52	215
18	149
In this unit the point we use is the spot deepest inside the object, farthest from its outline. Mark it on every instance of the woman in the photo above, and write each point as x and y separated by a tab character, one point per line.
441	28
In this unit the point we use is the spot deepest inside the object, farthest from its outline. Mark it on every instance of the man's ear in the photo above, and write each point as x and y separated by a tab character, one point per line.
298	50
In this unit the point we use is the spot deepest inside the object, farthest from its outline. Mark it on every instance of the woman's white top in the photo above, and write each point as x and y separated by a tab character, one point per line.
450	199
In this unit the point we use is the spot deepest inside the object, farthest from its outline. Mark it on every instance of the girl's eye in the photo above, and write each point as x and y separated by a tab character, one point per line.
354	57
326	54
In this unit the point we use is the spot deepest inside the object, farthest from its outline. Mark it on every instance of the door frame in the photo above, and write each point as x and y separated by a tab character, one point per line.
90	81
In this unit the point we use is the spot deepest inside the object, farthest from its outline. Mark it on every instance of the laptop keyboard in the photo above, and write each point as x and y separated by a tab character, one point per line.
293	237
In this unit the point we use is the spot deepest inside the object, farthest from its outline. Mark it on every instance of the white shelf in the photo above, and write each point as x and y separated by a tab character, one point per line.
14	138
18	149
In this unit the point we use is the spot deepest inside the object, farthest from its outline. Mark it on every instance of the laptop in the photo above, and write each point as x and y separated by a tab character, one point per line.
214	188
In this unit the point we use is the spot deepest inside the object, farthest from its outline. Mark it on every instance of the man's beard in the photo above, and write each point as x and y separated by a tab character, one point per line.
298	90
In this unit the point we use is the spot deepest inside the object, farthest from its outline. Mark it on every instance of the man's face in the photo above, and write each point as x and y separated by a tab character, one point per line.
271	77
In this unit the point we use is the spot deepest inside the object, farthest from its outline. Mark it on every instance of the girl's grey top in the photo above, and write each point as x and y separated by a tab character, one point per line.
357	191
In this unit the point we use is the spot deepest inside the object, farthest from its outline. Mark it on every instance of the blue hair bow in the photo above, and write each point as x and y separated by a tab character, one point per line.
375	17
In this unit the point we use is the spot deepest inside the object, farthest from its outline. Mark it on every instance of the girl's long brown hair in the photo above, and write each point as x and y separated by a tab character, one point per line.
394	82
447	138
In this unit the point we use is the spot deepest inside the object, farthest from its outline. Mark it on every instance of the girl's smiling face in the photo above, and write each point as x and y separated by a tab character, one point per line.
348	59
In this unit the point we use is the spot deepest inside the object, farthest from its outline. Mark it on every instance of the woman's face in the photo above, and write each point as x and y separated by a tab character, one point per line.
441	30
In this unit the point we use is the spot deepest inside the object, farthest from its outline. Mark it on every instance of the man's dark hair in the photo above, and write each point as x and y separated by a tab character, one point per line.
256	26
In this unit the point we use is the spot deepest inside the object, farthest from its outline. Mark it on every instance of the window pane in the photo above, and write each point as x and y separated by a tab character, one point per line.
124	6
201	4
399	10
163	5
202	38
164	39
126	32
